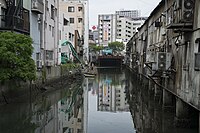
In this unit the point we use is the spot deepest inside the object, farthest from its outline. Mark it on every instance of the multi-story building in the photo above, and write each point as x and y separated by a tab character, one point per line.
37	10
125	28
24	17
167	50
113	27
15	16
129	13
107	29
95	36
77	12
66	34
38	19
50	33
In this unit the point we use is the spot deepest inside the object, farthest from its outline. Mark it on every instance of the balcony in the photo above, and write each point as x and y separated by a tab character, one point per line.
14	23
37	6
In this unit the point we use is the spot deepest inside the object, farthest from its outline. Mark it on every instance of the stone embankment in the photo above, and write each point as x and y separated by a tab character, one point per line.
17	92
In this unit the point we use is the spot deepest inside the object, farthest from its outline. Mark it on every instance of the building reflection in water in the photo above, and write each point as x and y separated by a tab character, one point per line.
147	113
55	115
111	93
108	107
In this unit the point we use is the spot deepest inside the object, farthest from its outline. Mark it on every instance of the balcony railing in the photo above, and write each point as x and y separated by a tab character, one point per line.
14	23
37	6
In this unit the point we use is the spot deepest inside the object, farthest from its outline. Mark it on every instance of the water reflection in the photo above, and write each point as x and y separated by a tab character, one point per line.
108	107
148	114
113	102
54	112
111	94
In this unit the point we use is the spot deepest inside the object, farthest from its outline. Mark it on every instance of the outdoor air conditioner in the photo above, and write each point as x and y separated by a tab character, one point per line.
151	55
37	6
163	61
187	10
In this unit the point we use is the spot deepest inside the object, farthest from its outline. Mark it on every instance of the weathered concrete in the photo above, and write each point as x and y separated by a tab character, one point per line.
167	99
170	32
157	93
186	116
13	90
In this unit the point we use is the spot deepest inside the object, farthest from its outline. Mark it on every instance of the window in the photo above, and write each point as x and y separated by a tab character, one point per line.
71	20
65	22
53	31
52	12
197	41
80	20
80	9
38	56
60	33
71	37
49	55
45	25
49	27
71	9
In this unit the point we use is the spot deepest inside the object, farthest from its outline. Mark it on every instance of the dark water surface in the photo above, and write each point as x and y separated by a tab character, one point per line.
112	102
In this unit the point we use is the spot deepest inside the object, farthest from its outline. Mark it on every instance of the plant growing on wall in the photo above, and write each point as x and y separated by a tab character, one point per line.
15	57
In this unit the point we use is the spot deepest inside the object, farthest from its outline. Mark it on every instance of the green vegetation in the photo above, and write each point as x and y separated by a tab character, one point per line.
95	48
65	68
15	57
116	46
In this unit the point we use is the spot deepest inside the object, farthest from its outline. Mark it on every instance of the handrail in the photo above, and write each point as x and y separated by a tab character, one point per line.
15	23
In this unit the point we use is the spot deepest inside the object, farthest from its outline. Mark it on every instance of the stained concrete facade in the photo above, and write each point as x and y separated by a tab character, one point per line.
77	13
166	50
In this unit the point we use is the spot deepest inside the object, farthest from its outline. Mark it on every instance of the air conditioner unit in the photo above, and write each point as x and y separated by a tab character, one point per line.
187	10
37	6
163	61
39	64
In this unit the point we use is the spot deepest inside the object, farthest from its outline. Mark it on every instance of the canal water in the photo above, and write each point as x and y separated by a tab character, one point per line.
114	101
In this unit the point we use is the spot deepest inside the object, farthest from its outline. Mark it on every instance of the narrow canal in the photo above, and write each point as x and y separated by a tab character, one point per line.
114	101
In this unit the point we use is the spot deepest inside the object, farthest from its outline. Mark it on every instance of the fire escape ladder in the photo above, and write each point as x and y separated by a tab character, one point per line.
19	9
9	13
10	6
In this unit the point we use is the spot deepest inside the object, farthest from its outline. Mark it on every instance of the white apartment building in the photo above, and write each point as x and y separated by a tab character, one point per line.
113	27
107	29
124	29
77	12
50	40
127	27
129	13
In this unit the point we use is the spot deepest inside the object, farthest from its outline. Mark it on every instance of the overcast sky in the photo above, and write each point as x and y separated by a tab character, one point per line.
110	6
